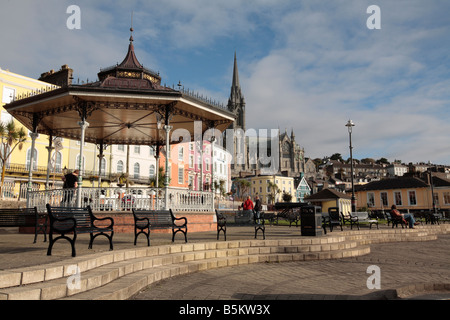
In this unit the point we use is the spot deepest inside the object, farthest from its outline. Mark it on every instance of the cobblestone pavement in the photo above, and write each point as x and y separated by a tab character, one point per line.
401	265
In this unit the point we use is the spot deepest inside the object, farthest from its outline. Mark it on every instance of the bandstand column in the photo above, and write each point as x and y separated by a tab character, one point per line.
100	156
33	136
213	190
49	162
83	125
167	128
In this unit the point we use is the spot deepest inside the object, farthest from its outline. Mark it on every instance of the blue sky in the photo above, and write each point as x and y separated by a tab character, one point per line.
307	65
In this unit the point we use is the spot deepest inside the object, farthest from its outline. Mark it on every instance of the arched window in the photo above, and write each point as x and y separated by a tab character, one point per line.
103	167
77	164
119	166
34	159
57	158
152	171
137	170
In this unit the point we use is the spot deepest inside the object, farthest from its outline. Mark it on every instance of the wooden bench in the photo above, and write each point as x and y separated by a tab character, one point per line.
357	217
242	218
26	217
72	220
144	220
394	220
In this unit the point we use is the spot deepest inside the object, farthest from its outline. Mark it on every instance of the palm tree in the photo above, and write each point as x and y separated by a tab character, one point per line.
243	187
11	137
274	190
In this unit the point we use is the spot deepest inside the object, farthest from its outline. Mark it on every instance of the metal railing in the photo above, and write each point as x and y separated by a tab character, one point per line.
122	198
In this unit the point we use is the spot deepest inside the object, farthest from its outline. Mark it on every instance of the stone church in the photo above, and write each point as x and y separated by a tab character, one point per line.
287	157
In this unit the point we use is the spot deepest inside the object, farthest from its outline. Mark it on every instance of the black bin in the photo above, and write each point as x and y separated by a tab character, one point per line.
311	221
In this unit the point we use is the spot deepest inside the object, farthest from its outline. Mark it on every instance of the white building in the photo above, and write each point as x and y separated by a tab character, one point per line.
396	170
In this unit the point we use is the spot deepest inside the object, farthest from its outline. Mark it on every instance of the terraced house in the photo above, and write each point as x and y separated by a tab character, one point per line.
411	194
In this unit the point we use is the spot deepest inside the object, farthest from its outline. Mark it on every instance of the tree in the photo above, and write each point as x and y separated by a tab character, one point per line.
12	137
243	187
337	156
287	197
274	190
161	179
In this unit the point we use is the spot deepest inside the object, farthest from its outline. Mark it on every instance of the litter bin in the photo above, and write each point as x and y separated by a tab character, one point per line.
311	221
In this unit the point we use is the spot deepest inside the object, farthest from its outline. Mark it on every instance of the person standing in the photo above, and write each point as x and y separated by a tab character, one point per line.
258	206
70	182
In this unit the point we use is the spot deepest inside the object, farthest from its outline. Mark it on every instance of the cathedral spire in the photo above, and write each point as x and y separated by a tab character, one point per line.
235	73
236	102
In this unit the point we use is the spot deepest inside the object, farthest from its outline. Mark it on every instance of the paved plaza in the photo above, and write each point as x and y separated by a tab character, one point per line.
414	267
402	265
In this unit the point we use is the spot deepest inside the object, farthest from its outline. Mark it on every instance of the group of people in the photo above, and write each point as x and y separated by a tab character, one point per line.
71	181
407	218
248	205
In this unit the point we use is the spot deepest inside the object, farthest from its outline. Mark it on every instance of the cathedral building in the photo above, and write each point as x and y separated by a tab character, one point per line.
287	157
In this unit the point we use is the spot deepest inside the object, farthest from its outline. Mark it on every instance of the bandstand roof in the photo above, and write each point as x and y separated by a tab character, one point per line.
122	107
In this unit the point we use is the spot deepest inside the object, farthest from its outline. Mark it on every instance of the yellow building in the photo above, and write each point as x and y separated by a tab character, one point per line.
13	85
408	194
330	198
260	186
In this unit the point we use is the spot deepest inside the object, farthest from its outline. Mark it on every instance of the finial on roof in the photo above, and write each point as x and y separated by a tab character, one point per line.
131	28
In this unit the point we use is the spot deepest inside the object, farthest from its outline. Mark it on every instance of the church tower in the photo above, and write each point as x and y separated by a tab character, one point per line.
236	102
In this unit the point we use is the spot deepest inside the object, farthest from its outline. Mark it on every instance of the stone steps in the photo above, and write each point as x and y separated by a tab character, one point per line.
121	274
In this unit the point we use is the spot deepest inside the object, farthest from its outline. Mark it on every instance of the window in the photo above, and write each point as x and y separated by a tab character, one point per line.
151	171
180	175
412	198
446	197
137	169
180	153
77	164
119	166
103	167
191	161
370	199
152	151
34	159
57	157
121	147
137	149
398	198
8	95
384	199
436	199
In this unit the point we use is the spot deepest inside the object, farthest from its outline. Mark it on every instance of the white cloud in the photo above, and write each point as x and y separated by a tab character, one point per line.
307	65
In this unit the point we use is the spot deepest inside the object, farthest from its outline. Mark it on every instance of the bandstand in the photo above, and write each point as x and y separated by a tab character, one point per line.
129	106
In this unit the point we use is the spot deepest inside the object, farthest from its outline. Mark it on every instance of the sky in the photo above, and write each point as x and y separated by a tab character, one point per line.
304	65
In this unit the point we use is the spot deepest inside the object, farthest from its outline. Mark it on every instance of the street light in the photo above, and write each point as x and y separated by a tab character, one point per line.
350	126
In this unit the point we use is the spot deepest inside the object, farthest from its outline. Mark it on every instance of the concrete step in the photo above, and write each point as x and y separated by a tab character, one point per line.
131	284
99	273
120	274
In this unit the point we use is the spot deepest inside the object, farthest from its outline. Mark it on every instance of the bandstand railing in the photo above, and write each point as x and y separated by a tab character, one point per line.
122	198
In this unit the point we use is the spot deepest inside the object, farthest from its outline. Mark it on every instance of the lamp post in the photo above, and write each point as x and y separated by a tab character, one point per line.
350	126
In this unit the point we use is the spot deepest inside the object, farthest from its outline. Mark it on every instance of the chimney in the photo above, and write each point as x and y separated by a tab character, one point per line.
61	78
